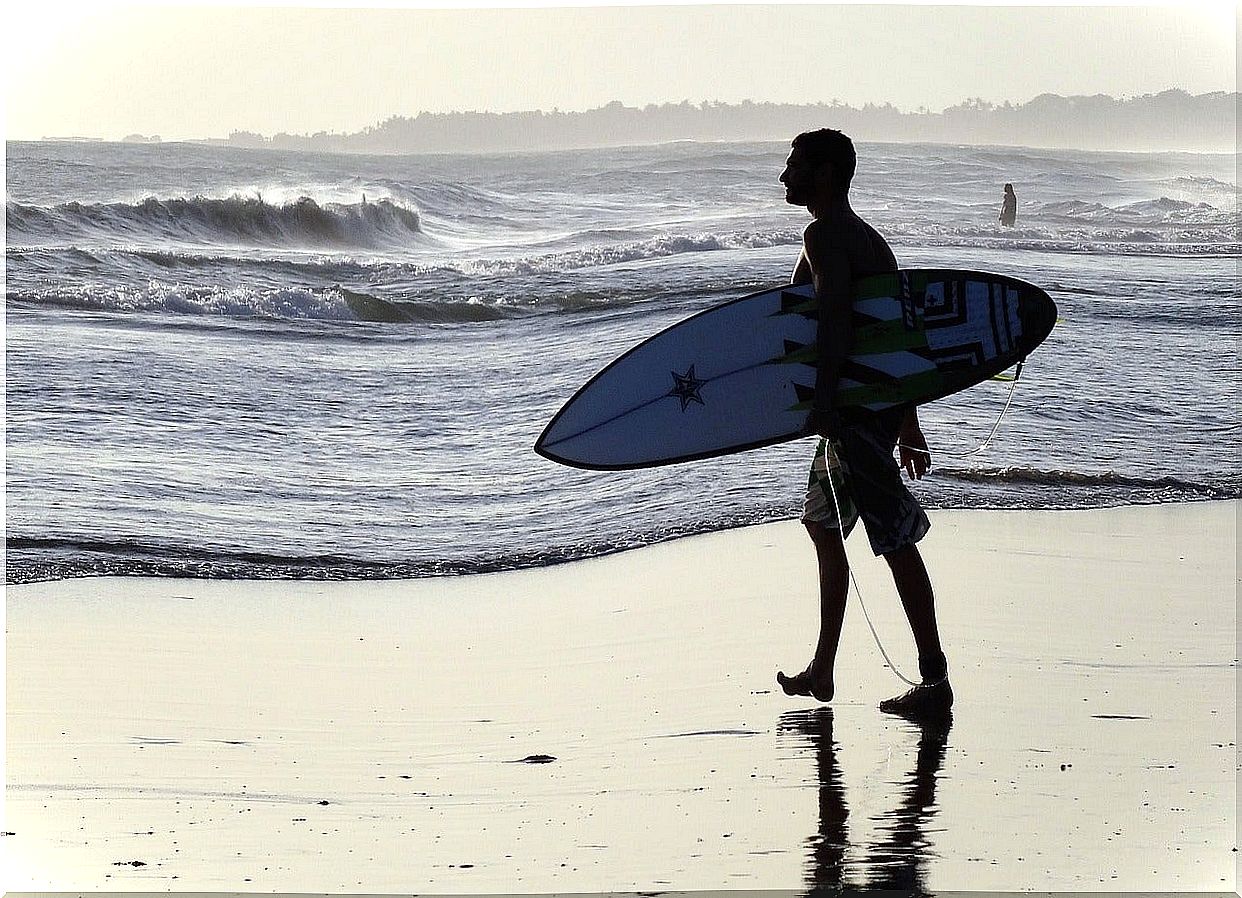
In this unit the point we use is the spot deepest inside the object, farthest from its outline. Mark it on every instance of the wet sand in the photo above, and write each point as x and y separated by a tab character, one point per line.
614	725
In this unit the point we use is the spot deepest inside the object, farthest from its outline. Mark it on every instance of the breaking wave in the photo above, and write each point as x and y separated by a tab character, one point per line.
1163	210
329	304
280	303
234	221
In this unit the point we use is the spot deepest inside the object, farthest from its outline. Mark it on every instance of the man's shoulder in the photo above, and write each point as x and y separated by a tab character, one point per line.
863	245
829	231
818	232
843	222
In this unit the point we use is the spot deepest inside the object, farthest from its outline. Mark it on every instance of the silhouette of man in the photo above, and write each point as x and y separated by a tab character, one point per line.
854	475
1009	208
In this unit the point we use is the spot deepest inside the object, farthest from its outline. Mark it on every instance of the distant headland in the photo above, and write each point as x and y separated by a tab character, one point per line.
1172	120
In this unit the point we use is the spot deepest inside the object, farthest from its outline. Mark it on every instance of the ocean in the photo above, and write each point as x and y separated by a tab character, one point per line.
236	363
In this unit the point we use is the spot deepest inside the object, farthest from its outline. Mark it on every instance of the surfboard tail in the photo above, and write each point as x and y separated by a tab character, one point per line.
1039	317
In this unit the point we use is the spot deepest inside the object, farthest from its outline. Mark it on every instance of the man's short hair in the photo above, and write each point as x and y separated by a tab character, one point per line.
829	145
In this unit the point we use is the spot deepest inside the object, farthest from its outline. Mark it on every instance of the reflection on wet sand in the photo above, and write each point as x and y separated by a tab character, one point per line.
898	859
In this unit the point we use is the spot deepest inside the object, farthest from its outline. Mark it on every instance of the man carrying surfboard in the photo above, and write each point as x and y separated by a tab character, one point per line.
854	474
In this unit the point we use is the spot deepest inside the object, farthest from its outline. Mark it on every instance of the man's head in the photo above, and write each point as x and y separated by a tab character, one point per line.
820	166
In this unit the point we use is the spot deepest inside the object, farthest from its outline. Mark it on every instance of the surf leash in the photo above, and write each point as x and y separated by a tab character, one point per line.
1013	386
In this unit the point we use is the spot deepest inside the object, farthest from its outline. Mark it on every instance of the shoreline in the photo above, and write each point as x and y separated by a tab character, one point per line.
483	571
390	735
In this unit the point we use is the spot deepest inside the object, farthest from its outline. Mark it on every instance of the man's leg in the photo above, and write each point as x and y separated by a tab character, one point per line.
834	574
914	587
935	696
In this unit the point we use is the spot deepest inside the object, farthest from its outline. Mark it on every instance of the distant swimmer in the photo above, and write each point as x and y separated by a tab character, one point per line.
1009	209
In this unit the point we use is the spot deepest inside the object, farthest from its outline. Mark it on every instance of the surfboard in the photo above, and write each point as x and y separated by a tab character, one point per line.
741	375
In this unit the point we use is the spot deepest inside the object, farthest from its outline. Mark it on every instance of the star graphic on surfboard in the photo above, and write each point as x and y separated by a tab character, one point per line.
686	387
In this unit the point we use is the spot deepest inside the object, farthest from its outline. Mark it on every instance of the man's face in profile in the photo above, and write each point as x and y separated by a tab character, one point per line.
803	182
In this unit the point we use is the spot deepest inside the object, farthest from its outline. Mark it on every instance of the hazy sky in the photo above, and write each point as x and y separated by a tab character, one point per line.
185	72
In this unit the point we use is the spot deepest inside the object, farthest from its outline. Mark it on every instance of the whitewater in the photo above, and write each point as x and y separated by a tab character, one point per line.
224	362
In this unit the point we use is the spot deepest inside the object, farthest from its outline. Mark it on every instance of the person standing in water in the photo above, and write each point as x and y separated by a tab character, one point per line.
854	474
1009	208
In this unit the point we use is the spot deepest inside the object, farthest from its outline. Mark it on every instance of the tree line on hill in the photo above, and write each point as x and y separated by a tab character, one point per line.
1170	120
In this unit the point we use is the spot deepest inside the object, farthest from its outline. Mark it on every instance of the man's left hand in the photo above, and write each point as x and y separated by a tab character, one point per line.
912	448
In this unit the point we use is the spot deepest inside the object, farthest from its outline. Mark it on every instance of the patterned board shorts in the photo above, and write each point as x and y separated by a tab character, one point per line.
860	467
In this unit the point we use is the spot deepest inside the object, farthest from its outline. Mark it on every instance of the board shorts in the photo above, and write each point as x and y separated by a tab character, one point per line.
859	465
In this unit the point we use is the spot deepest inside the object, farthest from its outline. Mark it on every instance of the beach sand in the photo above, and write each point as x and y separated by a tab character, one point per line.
371	737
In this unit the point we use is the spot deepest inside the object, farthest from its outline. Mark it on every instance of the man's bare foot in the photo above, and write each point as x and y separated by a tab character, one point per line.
809	683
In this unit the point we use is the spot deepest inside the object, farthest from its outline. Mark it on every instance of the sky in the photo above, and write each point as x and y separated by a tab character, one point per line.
186	72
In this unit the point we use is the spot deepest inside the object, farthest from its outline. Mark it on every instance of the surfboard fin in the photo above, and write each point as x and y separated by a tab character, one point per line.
797	354
806	397
1009	378
796	304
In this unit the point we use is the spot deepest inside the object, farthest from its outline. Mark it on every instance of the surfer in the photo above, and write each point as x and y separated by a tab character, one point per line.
854	474
1009	208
